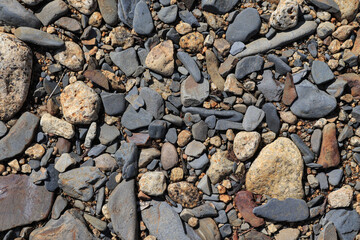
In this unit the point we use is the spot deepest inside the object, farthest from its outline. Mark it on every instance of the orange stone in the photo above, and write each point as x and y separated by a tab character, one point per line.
329	155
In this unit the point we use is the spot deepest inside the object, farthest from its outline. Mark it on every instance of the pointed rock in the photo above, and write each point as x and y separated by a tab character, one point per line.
213	70
289	94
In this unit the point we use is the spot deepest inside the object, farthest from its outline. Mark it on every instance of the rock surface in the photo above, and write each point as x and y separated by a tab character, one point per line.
14	14
285	16
245	204
184	193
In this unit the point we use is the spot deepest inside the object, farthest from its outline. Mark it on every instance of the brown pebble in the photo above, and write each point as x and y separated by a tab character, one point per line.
245	204
290	94
329	155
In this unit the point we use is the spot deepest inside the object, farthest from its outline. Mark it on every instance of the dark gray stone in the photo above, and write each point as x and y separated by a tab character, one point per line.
308	155
189	18
126	60
321	72
225	230
337	88
347	132
327	5
202	211
223	125
14	14
190	65
280	66
272	117
58	207
229	115
253	117
108	134
199	131
108	9
157	129
37	37
51	183
246	25
123	210
171	135
248	65
168	14
218	6
321	177
356	113
272	89
132	119
312	102
289	210
347	222
316	141
154	103
127	157
114	103
199	163
335	176
52	12
211	121
126	10
142	22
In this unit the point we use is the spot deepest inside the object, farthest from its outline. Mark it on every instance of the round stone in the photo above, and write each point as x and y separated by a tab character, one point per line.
246	144
80	104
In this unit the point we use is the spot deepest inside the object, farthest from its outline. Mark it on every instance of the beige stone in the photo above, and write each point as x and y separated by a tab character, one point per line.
161	58
71	56
286	15
348	9
153	183
341	198
220	166
56	126
36	151
246	144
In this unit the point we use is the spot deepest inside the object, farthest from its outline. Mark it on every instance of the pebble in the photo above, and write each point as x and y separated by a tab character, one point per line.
153	183
58	207
37	37
71	56
126	11
64	162
108	134
288	210
157	129
69	24
193	93
280	66
321	177
153	101
341	198
169	156
184	193
132	119
245	26
108	9
52	11
14	14
114	103
346	222
168	14
248	65
127	157
288	234
212	66
189	18
161	58
236	48
272	117
220	166
329	154
195	149
272	89
190	65
105	162
245	204
208	229
308	155
321	72
325	29
126	60
335	176
253	117
286	183
199	163
218	7
246	145
285	16
142	22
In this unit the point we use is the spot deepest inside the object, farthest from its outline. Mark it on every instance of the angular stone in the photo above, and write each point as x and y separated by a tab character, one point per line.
153	183
281	67
22	202
341	198
346	222
213	70
147	155
19	136
195	148
127	157
190	65
71	56
53	125
153	101
193	93
184	193
16	55
321	72
329	154
255	235
161	58
168	14
289	94
126	10
123	210
248	65
272	89
126	60
114	103
245	204
105	162
253	117
246	144
277	171
220	166
289	210
98	78
132	119
272	117
121	36
85	7
353	81
348	9
14	14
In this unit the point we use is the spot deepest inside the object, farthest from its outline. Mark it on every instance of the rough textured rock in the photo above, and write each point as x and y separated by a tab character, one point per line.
208	229
59	127
245	204
153	183
86	7
71	225
14	14
193	93
286	15
184	193
246	144
329	154
80	104
213	70
122	209
348	9
341	198
220	166
277	171
14	85
161	58
19	136
71	56
22	202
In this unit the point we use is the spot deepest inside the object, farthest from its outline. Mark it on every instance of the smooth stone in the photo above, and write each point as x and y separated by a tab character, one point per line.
208	229
123	210
169	156
335	176
220	166
51	183
280	66
69	24
190	65
81	183
316	141
272	89
246	144
253	117
193	93
283	158
322	179
22	202
127	157
171	135
248	65
236	48
199	163
105	162
327	5
58	207
64	162
202	211
288	210
71	225
95	222
244	202
168	14
189	18
153	101
3	129
321	72
14	14
229	115
308	155
142	22
52	12
195	149
223	125
37	37
246	25
312	102
108	134
114	103
132	119
282	38
346	222
272	117
337	88
329	154
288	234
126	11
199	131
108	9
126	60
218	7
19	136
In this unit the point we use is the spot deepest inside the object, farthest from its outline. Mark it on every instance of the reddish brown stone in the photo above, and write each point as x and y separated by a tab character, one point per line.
227	66
255	235
98	78
63	145
353	81
356	47
245	204
22	202
290	94
140	139
329	155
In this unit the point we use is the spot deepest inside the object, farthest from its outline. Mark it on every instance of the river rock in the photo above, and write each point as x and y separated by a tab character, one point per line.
347	222
69	24
15	54
22	201
169	156
190	65
168	14
285	16
122	208
127	157
271	88
153	183
153	101
80	104
277	171
312	102
37	37
208	229
341	198
220	166
142	22
245	204
71	56
253	117
86	7
184	193
126	60
108	9
133	119
193	93
14	14
321	72
52	11
246	144
348	9
248	65
213	70
59	127
161	58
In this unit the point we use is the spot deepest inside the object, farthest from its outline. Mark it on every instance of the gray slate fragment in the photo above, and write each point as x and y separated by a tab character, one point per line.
14	14
253	117
37	37
108	9
347	222
154	103
190	65
189	18
127	157
335	176
272	89
316	141
272	117
229	115
218	6
327	5
289	210
168	14
248	65
52	12
19	136
223	125
142	22
126	60
123	210
126	10
321	177
58	207
321	72
336	88
312	102
192	93
308	155
280	66
132	119
114	103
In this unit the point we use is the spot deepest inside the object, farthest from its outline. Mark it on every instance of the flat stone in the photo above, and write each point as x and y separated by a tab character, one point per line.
329	232
169	156
157	129
84	7
190	65
132	119
114	103
346	222
280	66
64	162
335	176
161	58
71	225
142	22
341	198
220	166
126	11
288	210
127	157
325	29
321	72
126	60
248	65
272	89
19	136
22	201
208	229
80	103
147	155
289	94
195	149
187	17
245	204
327	5
329	154
312	102
253	234
199	163
277	171
37	37
58	207
193	93
81	183
184	193
15	54
213	70
53	125
123	210
14	14
105	162
272	117
321	177
108	134
199	131
168	14
253	117
52	12
69	24
153	101
353	81
108	9
246	145
51	183
245	26
288	234
97	77
229	115
218	7
71	56
95	222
